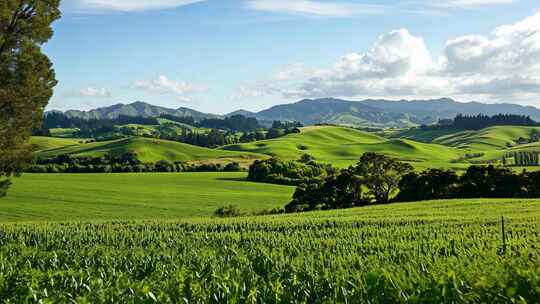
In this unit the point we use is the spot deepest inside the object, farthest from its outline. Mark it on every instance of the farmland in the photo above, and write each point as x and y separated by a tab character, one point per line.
57	197
429	252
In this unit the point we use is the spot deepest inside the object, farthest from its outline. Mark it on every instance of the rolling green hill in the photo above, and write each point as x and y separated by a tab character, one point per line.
342	146
490	144
499	137
50	143
147	149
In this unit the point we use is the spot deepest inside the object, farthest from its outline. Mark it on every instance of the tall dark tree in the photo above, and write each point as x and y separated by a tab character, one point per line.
26	78
381	175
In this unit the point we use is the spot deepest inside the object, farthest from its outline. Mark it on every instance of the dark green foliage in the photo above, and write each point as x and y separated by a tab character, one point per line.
476	182
381	175
482	181
335	192
428	185
277	171
378	174
521	158
481	121
125	163
26	78
228	211
232	123
232	167
90	127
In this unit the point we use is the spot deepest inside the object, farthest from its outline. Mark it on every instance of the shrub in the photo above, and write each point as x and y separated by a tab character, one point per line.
228	211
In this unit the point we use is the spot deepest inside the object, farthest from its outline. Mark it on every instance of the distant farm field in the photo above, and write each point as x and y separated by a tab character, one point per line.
61	197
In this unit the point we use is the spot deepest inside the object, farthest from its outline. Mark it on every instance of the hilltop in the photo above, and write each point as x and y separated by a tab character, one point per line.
137	109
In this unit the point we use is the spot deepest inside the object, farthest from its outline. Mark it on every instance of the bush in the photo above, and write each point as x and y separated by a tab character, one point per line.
228	211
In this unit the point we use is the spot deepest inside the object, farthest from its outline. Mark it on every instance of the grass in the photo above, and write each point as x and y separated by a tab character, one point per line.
429	252
60	197
63	132
342	147
147	149
50	143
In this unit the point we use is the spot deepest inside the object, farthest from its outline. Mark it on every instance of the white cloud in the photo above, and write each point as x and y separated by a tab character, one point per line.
348	8
94	6
164	85
503	66
93	92
317	8
471	3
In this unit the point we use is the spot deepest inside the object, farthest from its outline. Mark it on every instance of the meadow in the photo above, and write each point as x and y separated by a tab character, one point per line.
59	197
429	252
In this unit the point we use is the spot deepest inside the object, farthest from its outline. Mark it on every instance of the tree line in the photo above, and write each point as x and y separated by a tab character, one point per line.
378	179
521	159
123	163
481	121
88	127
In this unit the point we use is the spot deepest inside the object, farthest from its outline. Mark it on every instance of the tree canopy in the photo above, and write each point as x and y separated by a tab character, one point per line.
26	78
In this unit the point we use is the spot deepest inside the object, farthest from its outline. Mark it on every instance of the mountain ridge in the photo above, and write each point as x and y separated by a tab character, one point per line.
365	113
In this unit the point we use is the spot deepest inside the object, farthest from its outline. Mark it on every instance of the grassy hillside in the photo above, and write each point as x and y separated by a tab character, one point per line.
430	252
343	146
50	143
147	149
490	138
59	197
493	143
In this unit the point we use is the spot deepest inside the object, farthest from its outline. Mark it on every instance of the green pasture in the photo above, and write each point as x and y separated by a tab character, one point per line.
60	197
343	146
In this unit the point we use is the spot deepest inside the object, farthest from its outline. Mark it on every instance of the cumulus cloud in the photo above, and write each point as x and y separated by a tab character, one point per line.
163	85
503	66
94	6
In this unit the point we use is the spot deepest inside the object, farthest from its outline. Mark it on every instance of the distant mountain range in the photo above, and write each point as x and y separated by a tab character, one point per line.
137	109
367	113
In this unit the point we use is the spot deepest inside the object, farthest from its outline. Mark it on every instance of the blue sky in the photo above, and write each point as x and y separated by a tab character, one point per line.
222	55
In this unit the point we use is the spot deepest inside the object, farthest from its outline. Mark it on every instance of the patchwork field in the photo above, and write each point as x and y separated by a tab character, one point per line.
429	252
60	197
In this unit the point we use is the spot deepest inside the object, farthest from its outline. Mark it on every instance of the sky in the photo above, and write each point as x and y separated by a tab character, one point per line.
223	55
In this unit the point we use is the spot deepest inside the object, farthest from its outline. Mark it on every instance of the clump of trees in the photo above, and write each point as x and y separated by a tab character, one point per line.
477	182
277	171
372	180
521	158
378	179
89	127
124	163
480	121
27	79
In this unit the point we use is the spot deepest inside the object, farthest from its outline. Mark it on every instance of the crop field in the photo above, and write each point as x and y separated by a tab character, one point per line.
58	197
429	252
